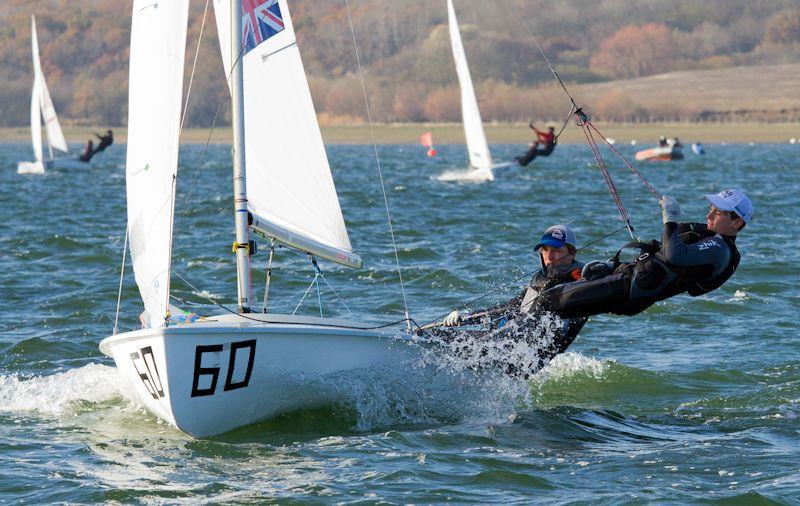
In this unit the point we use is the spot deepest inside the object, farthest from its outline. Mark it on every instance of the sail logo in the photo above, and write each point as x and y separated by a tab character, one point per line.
207	367
261	19
144	362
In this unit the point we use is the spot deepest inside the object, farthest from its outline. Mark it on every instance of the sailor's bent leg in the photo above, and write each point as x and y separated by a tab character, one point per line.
587	298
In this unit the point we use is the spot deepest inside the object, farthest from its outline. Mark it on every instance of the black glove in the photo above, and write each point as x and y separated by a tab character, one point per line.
596	270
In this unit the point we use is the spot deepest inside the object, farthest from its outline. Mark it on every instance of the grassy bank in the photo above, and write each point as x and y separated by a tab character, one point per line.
408	133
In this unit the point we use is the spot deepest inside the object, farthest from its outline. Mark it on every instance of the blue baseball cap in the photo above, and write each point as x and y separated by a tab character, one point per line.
558	236
733	200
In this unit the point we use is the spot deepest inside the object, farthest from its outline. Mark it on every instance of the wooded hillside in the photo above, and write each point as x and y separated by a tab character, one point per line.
405	50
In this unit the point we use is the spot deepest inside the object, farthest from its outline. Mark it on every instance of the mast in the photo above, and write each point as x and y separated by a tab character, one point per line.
242	244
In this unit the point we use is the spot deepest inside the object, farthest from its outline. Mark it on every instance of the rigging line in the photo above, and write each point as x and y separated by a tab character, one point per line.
625	161
407	321
187	200
378	162
546	59
121	277
194	66
304	295
566	121
607	177
526	275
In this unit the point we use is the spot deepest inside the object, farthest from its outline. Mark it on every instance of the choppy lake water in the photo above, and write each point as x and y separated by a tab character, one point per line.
695	400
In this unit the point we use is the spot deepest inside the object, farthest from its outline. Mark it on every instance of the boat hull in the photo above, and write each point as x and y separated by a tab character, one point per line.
497	170
211	377
659	154
58	164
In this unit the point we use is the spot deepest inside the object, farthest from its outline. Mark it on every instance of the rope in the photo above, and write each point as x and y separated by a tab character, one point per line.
304	295
322	275
604	170
378	162
194	66
407	321
625	161
121	277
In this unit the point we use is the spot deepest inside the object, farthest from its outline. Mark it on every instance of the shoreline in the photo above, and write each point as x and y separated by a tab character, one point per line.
453	133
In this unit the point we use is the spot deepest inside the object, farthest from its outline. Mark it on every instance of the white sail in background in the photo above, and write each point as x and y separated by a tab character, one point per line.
479	156
290	188
158	41
36	123
55	137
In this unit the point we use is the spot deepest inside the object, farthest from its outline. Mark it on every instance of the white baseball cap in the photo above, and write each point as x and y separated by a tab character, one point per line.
558	236
733	200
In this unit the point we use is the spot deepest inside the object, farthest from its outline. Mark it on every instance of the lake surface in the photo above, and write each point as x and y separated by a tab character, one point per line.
695	400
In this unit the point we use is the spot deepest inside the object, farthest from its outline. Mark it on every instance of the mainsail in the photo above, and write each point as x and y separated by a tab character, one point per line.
42	106
158	41
479	156
290	188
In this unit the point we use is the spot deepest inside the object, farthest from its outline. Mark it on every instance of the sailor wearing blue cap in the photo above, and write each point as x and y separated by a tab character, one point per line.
557	249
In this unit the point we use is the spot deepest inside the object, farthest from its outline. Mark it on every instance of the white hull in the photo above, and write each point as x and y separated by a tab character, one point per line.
209	377
58	164
497	170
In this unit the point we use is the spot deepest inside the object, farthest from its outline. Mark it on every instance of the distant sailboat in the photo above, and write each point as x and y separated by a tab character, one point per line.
42	109
209	375
480	158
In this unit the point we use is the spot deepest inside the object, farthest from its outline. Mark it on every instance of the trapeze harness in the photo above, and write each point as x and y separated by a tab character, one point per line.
633	287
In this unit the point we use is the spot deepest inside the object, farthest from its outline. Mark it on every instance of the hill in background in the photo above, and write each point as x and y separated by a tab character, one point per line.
635	61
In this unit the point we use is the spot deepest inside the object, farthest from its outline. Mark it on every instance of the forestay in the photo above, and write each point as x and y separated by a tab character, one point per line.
158	40
42	104
290	188
479	155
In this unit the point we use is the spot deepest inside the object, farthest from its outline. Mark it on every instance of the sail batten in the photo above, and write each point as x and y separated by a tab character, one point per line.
290	187
158	41
477	147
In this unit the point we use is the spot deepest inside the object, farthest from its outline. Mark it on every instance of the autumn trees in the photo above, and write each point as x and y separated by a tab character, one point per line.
405	51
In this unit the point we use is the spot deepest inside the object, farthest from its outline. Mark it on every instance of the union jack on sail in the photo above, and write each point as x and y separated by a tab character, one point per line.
261	19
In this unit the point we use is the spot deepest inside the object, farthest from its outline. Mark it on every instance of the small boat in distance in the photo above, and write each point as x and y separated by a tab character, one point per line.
667	150
481	167
42	109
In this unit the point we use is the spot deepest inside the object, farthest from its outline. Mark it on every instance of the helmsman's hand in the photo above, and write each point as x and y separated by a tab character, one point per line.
453	319
670	210
596	270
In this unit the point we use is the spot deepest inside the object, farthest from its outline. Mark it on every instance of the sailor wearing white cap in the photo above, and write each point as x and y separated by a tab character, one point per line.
694	258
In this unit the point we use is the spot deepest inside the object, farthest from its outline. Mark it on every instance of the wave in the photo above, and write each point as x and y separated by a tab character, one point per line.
62	393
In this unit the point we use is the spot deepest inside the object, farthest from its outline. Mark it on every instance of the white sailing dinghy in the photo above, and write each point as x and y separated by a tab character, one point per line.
209	375
480	158
42	109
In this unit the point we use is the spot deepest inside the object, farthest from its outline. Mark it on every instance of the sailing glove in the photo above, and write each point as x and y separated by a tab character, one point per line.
670	211
453	319
596	270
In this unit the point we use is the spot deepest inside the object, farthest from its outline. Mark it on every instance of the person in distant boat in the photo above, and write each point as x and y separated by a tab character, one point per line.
662	141
693	257
547	141
105	141
520	317
88	151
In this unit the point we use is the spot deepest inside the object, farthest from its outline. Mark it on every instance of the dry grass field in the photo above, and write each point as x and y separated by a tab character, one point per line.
504	134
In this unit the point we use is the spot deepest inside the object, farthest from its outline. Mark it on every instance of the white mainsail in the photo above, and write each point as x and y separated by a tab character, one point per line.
158	41
290	189
36	122
479	155
40	94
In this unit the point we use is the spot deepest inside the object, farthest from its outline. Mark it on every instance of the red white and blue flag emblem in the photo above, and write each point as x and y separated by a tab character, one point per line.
261	19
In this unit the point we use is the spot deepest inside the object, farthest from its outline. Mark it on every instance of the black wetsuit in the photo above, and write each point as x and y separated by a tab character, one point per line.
691	259
521	319
105	141
535	151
